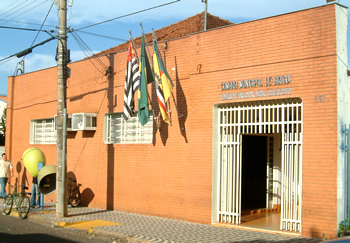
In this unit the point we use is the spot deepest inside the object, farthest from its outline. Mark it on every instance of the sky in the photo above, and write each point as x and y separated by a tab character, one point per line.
100	25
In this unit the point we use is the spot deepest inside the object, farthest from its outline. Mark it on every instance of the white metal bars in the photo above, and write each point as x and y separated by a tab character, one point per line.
259	117
229	169
43	132
291	168
291	182
117	130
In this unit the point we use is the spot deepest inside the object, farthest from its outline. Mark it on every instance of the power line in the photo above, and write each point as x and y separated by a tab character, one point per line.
73	30
37	34
9	11
83	46
18	28
80	42
26	11
42	25
88	52
144	10
2	61
26	23
5	8
28	50
99	35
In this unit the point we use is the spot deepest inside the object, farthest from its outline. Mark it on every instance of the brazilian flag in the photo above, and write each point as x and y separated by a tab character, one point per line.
146	77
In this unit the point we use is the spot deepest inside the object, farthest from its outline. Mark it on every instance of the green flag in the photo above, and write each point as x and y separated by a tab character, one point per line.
146	77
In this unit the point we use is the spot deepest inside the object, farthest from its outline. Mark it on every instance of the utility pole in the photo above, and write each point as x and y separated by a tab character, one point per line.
61	191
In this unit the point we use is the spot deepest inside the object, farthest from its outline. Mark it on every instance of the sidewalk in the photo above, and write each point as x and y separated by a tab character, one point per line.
130	227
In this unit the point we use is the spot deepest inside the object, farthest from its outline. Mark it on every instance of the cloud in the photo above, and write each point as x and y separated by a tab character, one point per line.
7	68
84	13
79	55
8	65
36	62
256	9
97	11
32	63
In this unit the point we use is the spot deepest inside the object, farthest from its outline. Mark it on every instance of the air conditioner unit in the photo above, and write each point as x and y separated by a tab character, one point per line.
68	124
83	121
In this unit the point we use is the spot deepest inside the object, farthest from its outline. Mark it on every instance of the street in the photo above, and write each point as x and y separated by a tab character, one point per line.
14	229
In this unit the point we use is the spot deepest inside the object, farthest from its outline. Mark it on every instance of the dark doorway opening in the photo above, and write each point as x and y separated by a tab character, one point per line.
254	162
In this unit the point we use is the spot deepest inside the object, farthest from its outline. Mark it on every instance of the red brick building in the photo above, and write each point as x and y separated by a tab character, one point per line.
256	124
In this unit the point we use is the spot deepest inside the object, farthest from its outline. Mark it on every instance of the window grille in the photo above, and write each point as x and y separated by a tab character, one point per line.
119	131
43	131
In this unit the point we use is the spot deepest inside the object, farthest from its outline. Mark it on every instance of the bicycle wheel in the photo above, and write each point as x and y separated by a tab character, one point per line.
23	207
7	206
74	197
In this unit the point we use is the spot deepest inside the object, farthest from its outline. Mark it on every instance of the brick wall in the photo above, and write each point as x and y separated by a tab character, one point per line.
173	176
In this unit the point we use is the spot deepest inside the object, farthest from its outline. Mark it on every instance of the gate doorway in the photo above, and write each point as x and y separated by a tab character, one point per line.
276	127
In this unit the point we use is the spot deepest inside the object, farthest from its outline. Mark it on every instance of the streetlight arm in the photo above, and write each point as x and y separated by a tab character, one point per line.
29	50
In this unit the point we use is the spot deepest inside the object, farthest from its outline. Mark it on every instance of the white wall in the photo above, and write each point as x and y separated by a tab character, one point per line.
343	97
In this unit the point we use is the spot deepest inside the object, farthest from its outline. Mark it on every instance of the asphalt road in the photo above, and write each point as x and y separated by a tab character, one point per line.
14	229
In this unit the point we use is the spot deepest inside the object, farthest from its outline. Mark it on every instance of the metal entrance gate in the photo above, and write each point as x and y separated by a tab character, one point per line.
261	117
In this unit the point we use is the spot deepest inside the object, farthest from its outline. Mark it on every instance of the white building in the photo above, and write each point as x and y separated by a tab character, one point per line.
3	104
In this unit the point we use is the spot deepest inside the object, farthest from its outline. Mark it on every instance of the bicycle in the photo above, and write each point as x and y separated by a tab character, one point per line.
21	200
74	193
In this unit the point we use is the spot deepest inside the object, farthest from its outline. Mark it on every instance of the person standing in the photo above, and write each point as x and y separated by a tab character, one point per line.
35	193
5	166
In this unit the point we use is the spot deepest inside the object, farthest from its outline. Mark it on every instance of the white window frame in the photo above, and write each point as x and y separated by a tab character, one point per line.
42	131
119	131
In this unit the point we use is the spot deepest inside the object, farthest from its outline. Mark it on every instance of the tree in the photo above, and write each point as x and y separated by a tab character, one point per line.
3	128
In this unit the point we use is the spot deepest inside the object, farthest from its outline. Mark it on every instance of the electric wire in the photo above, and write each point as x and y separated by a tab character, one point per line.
83	46
5	8
80	42
26	23
126	15
88	52
26	11
18	28
1	60
102	36
42	25
16	8
80	31
37	34
13	8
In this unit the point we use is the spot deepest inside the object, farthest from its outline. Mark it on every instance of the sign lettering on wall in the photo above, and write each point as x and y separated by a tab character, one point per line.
269	82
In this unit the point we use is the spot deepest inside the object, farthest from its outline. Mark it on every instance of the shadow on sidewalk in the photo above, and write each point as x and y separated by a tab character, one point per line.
72	211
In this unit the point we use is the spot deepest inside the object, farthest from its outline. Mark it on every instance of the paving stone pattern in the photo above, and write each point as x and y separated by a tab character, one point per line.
156	229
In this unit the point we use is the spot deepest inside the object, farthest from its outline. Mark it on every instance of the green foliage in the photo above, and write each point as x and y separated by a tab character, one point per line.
3	128
343	226
3	122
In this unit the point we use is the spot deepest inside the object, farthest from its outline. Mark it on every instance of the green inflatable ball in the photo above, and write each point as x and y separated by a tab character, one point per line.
31	159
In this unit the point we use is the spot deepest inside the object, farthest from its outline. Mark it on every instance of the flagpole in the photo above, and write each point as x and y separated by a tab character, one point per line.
149	99
155	38
133	43
149	53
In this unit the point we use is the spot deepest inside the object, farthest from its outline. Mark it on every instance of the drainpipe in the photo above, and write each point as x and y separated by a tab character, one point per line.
205	14
347	160
346	148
